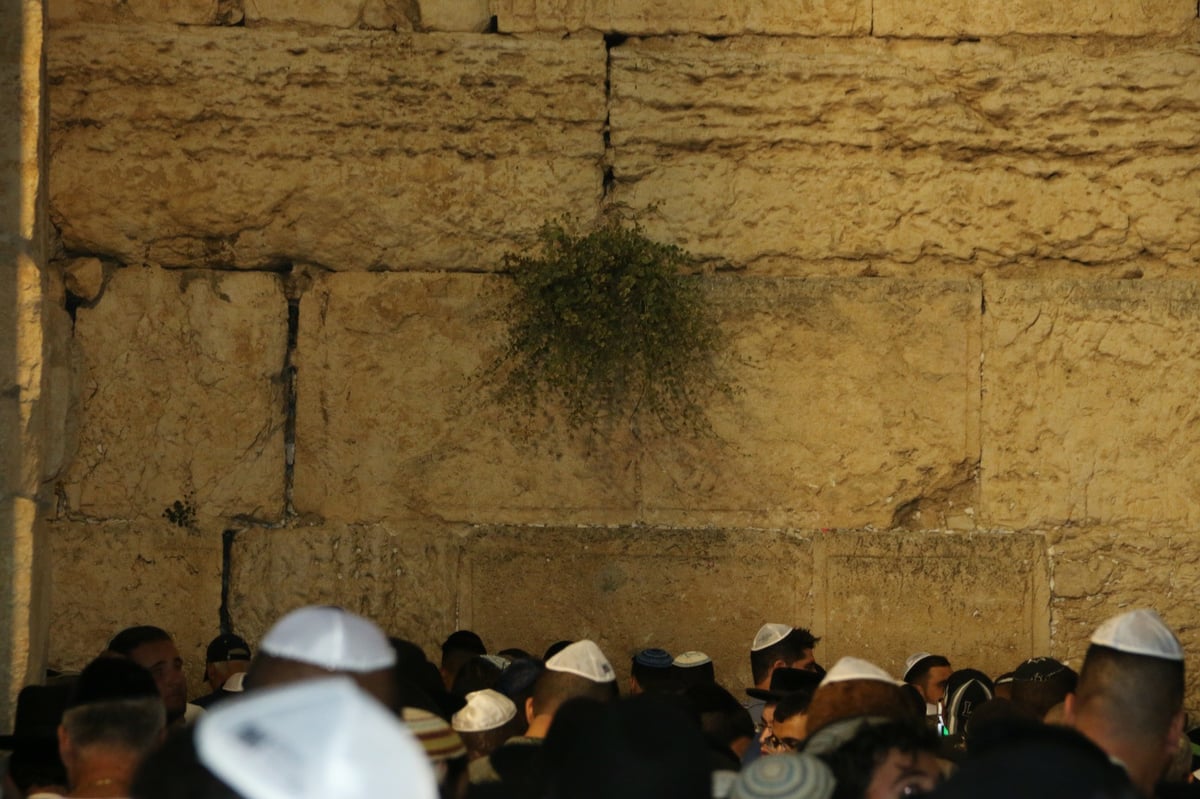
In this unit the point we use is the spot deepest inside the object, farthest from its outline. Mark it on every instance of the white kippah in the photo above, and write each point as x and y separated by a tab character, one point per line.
686	660
315	739
769	635
1139	632
331	638
485	710
583	659
857	669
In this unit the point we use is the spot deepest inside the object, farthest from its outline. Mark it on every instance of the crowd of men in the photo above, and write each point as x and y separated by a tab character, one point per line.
330	707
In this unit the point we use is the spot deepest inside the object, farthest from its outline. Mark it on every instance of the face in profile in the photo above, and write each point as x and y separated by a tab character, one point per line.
902	774
162	660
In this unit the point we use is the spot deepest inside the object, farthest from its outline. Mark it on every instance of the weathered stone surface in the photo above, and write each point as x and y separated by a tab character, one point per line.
1000	17
403	577
389	14
712	17
771	153
1089	413
391	423
84	277
1100	572
859	401
249	147
178	12
455	15
981	599
632	588
117	574
181	395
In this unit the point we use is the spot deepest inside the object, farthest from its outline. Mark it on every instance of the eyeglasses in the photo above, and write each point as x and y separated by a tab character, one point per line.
782	744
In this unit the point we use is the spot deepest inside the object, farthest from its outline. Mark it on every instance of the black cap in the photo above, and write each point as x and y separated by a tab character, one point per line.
787	681
227	647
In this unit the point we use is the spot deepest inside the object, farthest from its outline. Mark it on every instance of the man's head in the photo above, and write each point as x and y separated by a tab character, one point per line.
928	674
487	720
458	648
113	718
578	671
226	656
886	761
319	641
152	649
780	646
651	671
1041	683
1129	699
854	688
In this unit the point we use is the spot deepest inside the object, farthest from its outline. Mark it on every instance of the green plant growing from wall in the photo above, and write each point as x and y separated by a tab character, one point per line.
610	326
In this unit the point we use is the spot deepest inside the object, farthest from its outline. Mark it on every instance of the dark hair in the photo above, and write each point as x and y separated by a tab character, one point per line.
129	639
655	680
173	771
790	649
842	700
919	673
792	704
854	762
36	765
1143	692
553	688
517	681
475	674
1038	696
457	649
555	648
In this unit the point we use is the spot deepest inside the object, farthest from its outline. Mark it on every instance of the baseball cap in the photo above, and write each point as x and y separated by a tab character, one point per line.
583	659
329	637
1139	632
316	739
227	647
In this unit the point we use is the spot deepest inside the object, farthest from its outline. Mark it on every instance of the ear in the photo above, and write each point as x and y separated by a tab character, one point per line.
1069	710
1174	732
65	751
529	710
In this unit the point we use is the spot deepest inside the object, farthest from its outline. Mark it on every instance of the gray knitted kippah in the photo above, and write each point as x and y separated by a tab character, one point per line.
785	776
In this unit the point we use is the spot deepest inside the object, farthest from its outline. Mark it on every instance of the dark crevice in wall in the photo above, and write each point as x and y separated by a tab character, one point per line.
289	387
611	40
227	539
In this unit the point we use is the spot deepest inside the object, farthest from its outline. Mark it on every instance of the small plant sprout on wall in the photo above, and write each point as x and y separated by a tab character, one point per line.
609	326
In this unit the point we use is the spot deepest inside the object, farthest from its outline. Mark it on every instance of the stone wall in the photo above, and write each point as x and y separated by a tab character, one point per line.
953	245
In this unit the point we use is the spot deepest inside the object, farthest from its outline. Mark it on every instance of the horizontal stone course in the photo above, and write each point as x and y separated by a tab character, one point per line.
827	432
248	148
1001	17
769	154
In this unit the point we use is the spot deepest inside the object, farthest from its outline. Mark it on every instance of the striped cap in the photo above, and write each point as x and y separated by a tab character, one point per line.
436	737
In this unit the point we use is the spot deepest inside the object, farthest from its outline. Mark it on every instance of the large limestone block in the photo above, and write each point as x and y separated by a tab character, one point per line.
392	14
114	575
858	406
138	12
181	395
632	588
712	17
1100	572
1000	17
401	576
391	422
980	599
353	150
897	156
1089	412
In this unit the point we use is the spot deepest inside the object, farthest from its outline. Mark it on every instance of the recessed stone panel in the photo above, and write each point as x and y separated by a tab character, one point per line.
401	576
251	147
891	157
712	17
140	12
980	599
114	575
858	402
1089	412
1000	17
632	588
182	396
393	420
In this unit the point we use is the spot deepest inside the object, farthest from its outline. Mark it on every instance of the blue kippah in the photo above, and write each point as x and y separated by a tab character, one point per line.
654	659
